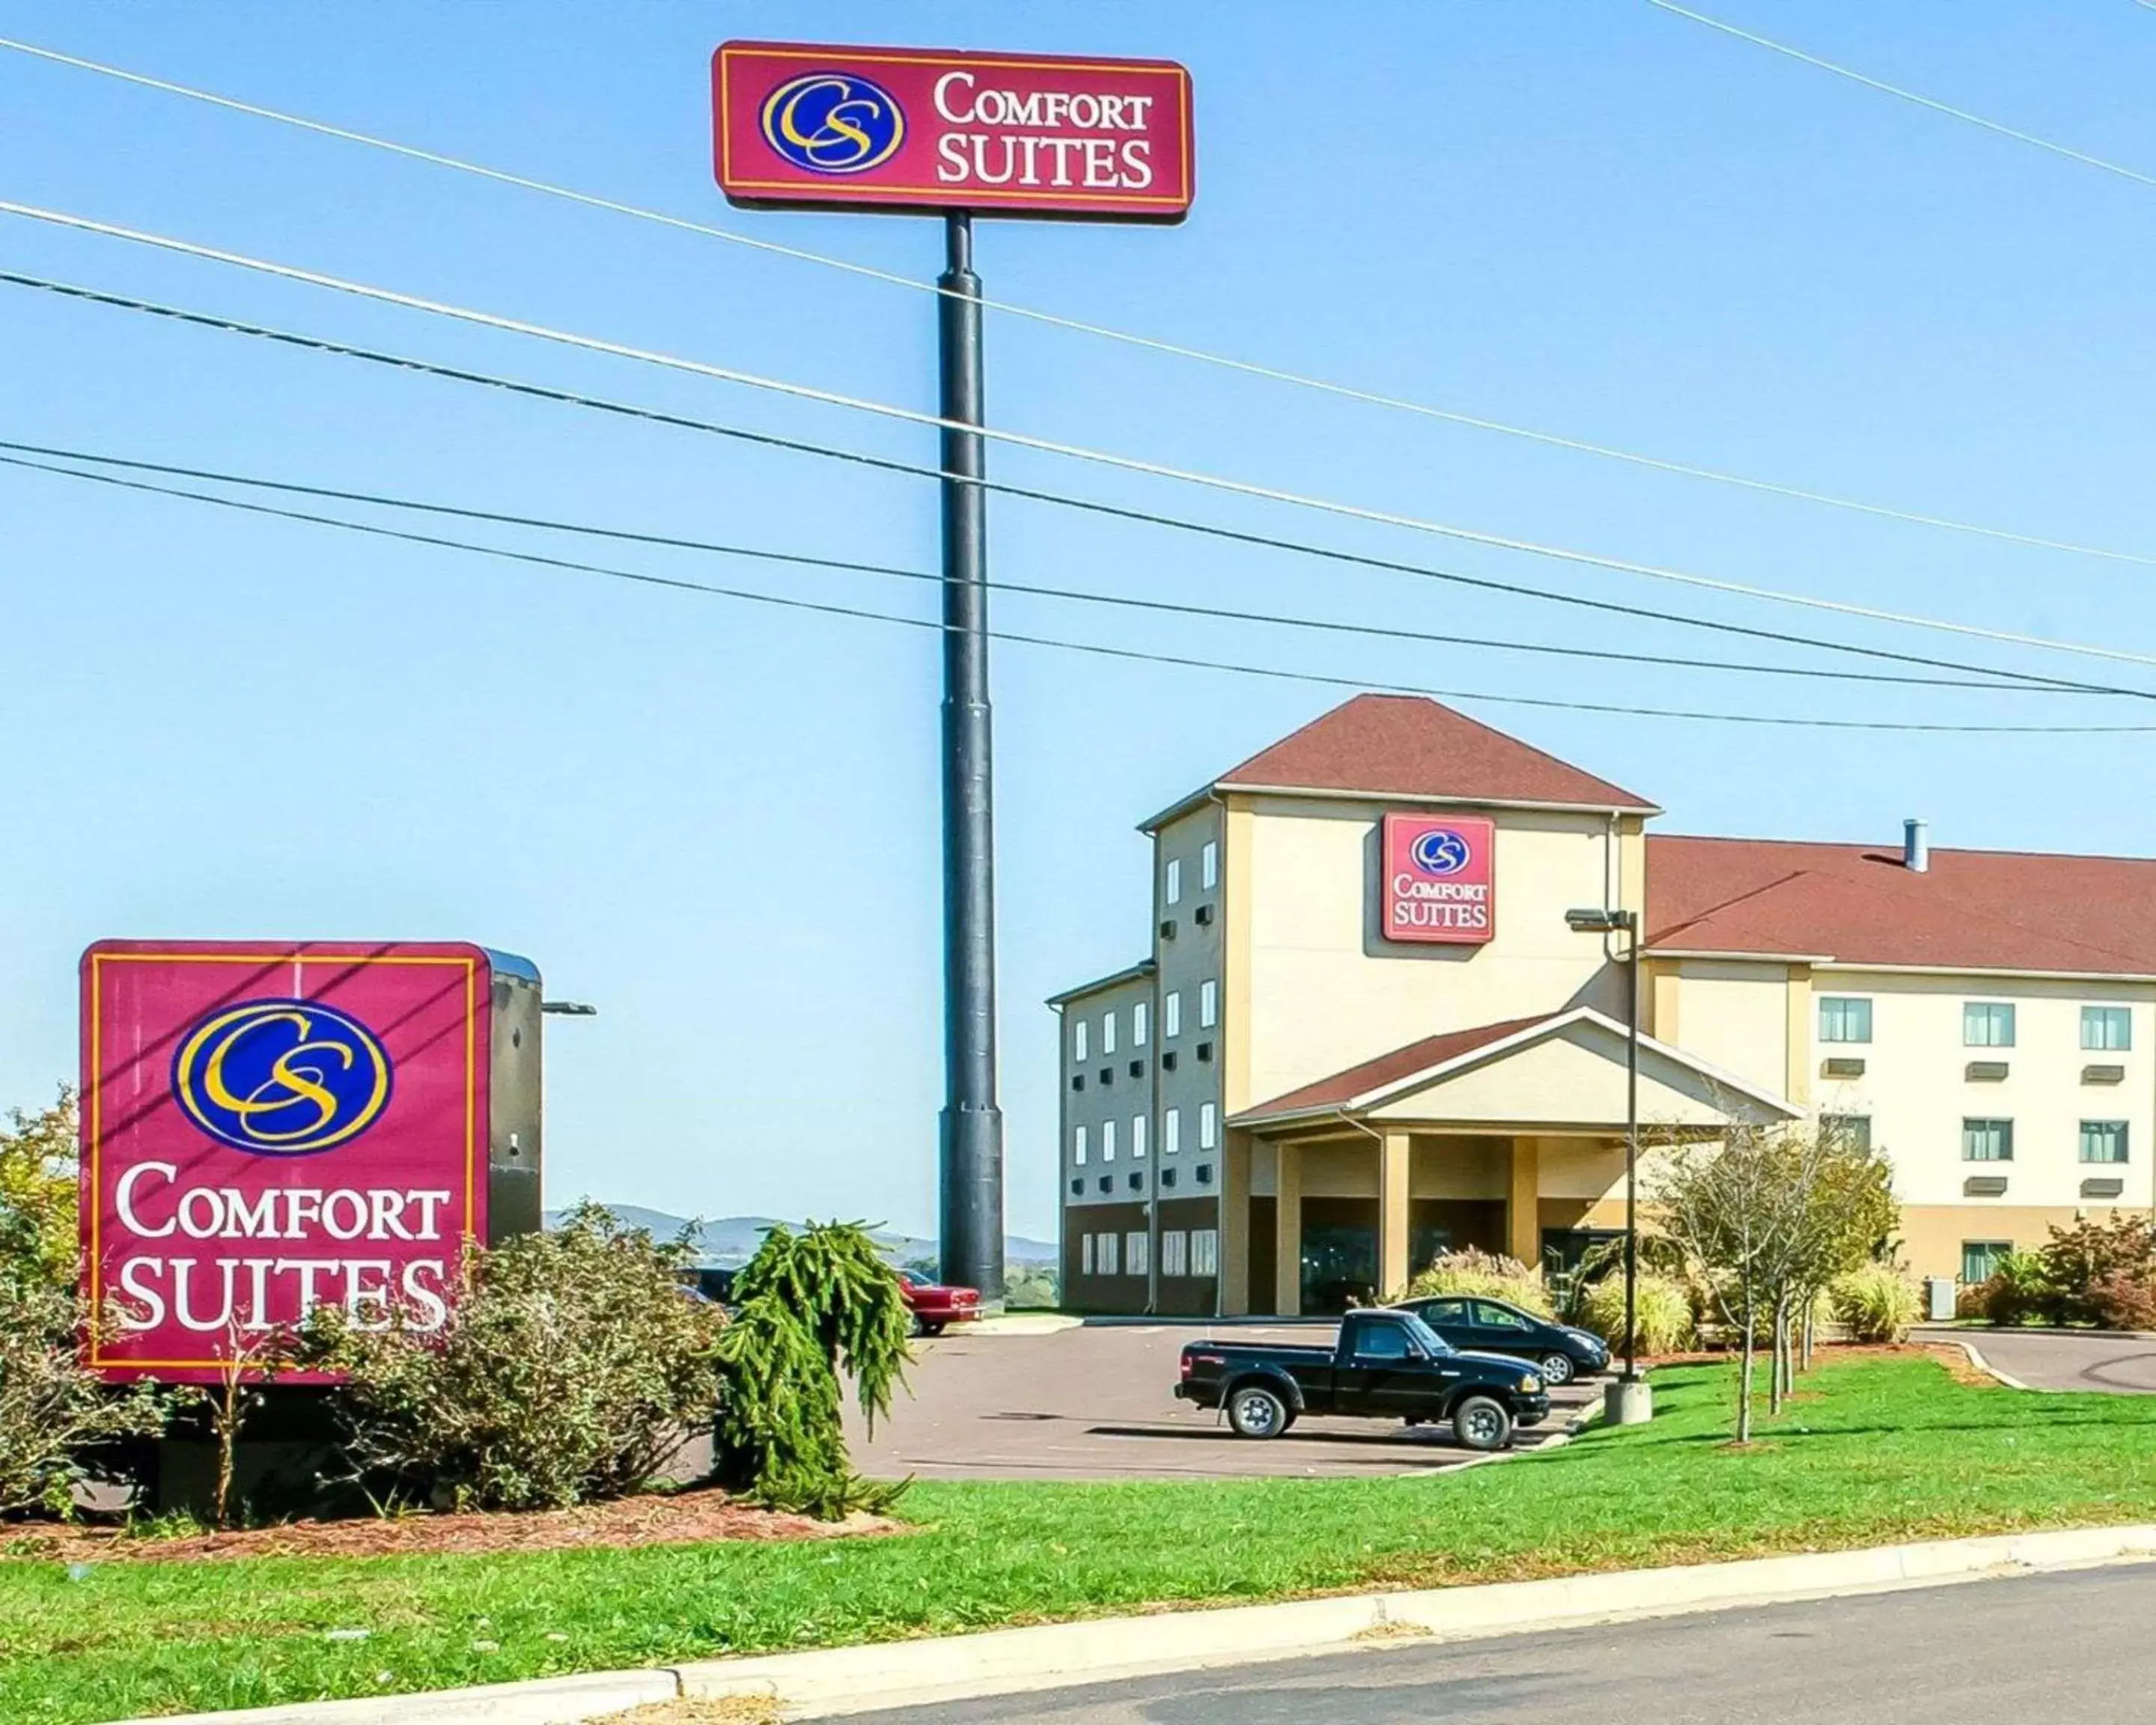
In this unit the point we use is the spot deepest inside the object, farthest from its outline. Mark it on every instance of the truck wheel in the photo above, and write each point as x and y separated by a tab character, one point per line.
1481	1423
1557	1368
1256	1412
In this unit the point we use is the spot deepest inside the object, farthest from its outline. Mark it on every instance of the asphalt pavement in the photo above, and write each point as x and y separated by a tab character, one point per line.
2061	1646
1097	1401
2062	1359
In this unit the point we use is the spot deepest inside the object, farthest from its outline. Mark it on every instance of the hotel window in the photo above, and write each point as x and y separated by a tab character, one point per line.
1078	1042
1173	891
1986	1025
1104	1259
1085	1255
1851	1130
1981	1257
1107	1033
1078	1147
1208	1117
1138	1136
2103	1141
1204	1251
1845	1020
1140	1025
1175	1252
1107	1141
1209	865
1134	1253
1171	1132
1987	1141
1208	1005
1171	1015
2107	1029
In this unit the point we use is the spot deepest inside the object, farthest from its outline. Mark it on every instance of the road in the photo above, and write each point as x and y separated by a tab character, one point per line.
1097	1402
2059	1646
2054	1359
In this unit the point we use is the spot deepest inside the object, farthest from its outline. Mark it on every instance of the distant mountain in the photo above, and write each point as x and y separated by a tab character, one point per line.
731	1240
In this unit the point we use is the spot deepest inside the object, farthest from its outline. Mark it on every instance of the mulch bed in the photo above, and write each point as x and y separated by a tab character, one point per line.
694	1518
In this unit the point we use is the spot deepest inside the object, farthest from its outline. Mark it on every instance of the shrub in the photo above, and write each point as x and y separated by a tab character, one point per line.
2124	1300
2076	1260
54	1410
2018	1291
814	1305
1491	1274
572	1367
1664	1307
1875	1303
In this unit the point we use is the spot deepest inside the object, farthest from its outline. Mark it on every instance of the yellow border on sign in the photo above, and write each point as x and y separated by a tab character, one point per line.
869	193
278	955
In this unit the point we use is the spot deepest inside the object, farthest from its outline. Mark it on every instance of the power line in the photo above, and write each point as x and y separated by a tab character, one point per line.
1254	368
1166	606
1138	654
1091	505
1050	446
1907	95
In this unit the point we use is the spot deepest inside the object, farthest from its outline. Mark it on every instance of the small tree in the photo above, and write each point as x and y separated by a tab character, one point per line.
814	1305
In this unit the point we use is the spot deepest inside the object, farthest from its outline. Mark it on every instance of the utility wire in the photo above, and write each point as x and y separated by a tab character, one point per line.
1114	511
1164	607
1050	446
1181	660
1906	95
1254	368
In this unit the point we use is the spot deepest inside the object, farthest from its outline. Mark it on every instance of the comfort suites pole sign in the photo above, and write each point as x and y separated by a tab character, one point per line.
906	129
1439	885
268	1128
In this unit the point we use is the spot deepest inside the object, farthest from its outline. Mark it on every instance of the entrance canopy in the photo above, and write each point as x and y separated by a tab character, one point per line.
1560	1074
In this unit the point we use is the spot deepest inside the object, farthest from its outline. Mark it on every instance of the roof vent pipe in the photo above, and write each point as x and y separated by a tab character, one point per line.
1916	845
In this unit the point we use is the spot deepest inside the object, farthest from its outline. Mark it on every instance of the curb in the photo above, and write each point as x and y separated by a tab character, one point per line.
840	1680
1983	1365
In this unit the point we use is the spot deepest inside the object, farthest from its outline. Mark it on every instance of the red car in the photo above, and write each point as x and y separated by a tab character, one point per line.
935	1305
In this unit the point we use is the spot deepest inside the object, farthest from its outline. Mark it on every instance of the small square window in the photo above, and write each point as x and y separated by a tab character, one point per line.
2107	1029
1987	1141
2103	1141
1979	1258
1168	1177
1136	1181
1107	1183
1842	1019
1204	1173
1987	1025
1078	1188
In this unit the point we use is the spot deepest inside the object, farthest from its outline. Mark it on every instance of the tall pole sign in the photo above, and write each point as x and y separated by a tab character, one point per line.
909	131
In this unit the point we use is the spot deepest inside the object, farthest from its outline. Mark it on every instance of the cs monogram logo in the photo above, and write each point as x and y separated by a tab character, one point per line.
281	1077
833	123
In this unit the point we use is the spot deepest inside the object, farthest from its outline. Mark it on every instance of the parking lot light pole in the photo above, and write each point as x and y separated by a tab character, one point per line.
1630	1401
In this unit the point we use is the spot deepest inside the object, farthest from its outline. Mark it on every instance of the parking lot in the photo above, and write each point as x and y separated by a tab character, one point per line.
1097	1401
2062	1359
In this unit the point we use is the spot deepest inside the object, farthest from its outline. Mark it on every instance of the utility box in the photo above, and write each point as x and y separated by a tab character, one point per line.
1939	1299
269	1126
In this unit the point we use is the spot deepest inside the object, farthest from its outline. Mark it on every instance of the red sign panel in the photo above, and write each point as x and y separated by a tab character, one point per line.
909	129
269	1128
1439	882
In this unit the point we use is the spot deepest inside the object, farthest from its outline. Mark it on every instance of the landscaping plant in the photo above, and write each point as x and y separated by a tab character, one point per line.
2113	1252
1663	1306
1876	1303
1490	1274
574	1366
54	1410
2018	1291
814	1305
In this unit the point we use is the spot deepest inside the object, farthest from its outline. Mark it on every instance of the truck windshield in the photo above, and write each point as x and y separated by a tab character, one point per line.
1425	1338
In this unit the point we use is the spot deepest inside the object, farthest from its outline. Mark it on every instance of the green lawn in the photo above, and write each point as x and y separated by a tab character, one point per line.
1880	1450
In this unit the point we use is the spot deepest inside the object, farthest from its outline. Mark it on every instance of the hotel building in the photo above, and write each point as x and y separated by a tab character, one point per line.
1363	1031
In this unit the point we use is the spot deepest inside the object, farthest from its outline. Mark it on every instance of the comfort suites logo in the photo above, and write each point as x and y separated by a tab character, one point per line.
281	1077
1439	887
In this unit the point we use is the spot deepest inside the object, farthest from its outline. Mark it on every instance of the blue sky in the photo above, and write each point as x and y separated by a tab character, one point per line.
719	822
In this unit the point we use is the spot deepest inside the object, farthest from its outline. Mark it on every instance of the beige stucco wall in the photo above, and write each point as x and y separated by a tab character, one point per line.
1325	991
1736	1015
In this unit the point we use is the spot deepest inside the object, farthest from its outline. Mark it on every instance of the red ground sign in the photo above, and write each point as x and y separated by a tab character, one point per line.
1440	885
909	129
267	1128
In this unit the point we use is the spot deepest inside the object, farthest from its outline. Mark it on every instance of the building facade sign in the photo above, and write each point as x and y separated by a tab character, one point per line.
1439	886
268	1128
912	130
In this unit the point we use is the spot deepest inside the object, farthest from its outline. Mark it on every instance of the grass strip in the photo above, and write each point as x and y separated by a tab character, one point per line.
1877	1449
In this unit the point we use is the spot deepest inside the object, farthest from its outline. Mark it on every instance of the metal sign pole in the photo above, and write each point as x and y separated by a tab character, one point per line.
971	1206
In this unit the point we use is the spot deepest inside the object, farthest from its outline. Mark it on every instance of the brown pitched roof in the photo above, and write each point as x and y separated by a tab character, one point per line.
1408	746
1343	1087
1973	909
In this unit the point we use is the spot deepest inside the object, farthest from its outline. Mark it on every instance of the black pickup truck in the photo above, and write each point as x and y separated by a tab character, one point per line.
1385	1365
